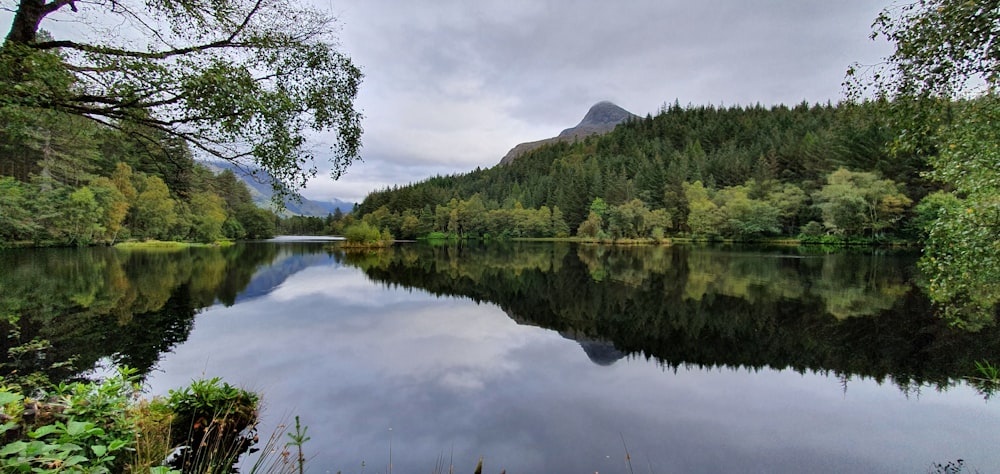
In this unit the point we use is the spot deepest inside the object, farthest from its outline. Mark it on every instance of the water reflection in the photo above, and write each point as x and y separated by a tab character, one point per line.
356	353
848	313
444	346
99	303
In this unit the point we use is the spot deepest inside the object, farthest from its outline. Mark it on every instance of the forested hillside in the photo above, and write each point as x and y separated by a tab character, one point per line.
262	192
737	172
67	180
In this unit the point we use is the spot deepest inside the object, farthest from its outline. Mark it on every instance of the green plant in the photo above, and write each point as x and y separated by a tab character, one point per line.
103	427
988	371
62	445
153	420
11	408
81	425
298	439
211	423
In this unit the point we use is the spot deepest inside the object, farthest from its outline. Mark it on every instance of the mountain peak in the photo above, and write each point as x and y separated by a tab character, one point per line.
602	117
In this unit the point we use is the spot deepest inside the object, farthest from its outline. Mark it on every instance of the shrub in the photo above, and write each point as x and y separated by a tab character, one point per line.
362	233
210	420
101	427
81	426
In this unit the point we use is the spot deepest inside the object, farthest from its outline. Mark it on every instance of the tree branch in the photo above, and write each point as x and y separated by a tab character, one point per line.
57	4
47	45
246	20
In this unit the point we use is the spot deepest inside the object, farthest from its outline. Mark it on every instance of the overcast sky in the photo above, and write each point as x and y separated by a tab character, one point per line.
453	84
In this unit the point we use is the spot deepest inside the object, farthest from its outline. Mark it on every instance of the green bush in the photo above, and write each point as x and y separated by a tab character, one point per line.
209	419
440	236
362	233
102	427
79	427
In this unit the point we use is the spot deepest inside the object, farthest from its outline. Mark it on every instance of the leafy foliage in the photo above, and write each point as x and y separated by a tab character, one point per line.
943	77
238	79
102	427
126	204
364	234
210	417
85	427
856	203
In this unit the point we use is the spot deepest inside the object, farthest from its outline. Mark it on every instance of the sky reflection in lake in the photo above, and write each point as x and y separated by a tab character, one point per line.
366	365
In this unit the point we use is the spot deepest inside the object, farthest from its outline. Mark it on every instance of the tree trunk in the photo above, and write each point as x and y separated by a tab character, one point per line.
29	15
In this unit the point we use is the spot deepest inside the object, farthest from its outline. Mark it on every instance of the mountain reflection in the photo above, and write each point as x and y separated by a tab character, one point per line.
850	313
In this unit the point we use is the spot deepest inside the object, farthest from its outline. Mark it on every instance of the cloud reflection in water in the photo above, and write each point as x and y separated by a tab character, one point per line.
455	378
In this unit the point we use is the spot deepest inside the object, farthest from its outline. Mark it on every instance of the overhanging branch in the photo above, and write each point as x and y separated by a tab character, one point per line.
125	53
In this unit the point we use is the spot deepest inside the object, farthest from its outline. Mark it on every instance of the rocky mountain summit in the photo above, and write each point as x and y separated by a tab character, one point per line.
603	117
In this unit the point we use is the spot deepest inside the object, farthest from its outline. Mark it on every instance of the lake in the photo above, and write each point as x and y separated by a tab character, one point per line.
539	357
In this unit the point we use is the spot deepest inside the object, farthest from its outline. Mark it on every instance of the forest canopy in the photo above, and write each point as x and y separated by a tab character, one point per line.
701	171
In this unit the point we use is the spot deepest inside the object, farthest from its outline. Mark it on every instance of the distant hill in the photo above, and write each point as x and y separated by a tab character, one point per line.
603	117
262	192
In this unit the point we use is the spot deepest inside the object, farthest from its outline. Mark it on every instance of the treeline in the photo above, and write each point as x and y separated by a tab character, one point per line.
66	180
737	172
333	224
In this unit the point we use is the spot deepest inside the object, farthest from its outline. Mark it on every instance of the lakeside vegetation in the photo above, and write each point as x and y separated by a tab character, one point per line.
105	427
362	235
111	188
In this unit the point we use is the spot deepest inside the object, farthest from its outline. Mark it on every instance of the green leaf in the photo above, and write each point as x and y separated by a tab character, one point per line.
13	448
117	444
77	428
64	448
163	470
8	397
99	449
74	460
43	431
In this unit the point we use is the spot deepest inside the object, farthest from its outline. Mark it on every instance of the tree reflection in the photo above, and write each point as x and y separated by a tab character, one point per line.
99	303
853	314
848	313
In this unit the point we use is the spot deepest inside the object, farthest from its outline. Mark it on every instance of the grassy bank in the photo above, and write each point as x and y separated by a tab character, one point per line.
168	245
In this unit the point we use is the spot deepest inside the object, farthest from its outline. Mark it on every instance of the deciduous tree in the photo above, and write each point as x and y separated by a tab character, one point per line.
237	79
857	202
943	75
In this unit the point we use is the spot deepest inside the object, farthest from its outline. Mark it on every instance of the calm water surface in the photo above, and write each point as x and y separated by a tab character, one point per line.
543	358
